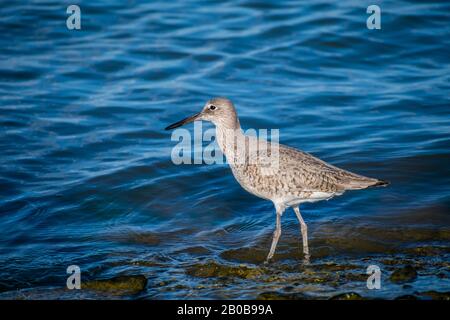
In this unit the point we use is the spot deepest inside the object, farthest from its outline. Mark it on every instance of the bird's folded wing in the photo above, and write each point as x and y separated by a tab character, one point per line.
313	174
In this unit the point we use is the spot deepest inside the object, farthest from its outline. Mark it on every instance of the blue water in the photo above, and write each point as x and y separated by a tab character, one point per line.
86	176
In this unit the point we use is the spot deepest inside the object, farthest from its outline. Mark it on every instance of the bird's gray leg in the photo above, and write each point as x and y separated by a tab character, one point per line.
276	234
304	230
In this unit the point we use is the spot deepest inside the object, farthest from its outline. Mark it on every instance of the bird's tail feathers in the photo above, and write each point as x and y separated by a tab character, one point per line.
356	184
381	183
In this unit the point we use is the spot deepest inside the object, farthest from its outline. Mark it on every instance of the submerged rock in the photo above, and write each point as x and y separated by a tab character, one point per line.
347	296
195	250
334	267
119	285
405	274
273	295
213	269
428	250
250	255
436	295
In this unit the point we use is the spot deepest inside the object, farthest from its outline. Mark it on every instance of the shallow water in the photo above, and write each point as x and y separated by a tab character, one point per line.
86	176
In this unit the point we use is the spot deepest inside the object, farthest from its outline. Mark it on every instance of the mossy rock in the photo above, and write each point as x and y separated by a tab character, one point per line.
428	250
334	267
249	255
347	296
395	262
273	295
347	277
405	274
213	269
119	285
320	278
436	295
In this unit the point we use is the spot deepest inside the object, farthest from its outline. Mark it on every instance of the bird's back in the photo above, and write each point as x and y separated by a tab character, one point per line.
315	174
293	175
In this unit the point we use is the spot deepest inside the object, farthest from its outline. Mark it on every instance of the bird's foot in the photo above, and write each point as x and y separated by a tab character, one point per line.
268	259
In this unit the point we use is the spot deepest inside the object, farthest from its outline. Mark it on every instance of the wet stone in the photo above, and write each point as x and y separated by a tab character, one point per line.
436	295
428	250
347	296
119	285
249	255
213	269
334	267
146	263
273	295
405	274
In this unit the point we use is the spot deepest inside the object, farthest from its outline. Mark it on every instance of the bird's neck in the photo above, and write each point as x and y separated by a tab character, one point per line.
227	138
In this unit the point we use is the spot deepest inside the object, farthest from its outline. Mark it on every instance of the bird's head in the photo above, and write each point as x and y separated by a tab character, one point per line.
219	111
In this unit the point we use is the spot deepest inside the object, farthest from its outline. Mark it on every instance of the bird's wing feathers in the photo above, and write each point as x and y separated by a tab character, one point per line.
314	174
300	170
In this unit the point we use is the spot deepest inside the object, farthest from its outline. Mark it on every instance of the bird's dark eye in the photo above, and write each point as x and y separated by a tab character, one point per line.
211	107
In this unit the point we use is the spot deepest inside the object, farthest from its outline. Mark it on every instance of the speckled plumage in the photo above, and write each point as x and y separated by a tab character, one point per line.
294	177
298	177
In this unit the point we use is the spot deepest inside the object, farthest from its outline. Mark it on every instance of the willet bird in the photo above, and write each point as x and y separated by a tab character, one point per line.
298	176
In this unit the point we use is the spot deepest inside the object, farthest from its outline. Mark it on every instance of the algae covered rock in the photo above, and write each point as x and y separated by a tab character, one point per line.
247	255
213	269
347	296
273	295
120	285
436	295
405	274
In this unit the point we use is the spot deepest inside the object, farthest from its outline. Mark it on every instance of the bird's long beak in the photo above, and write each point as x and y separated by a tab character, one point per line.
183	122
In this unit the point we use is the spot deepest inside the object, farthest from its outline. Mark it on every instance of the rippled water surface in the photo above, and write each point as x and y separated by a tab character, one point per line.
86	176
